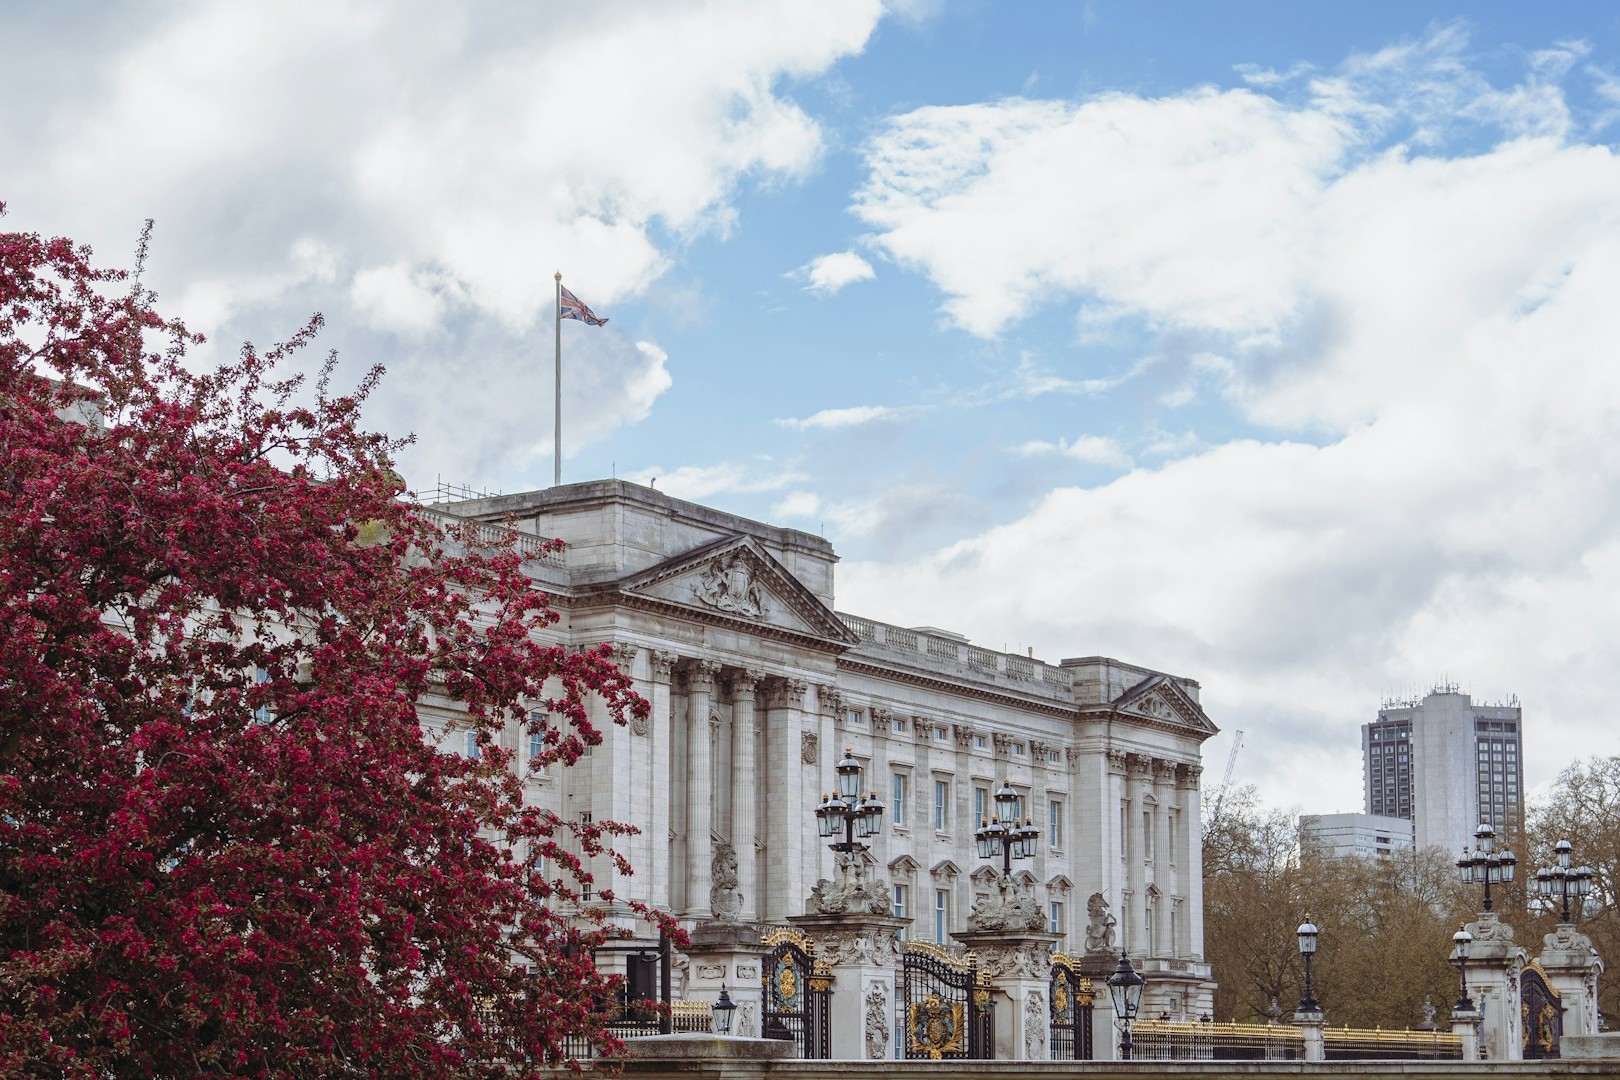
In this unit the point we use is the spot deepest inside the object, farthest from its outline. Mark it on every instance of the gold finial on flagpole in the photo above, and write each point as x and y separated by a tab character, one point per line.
558	275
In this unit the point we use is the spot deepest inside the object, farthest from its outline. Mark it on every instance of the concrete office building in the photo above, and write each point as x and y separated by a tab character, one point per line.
1369	836
1446	764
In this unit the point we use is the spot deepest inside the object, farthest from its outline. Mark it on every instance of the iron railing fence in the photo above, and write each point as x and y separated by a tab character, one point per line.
1161	1040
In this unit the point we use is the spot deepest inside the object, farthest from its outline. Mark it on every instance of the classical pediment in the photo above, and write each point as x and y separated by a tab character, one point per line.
1159	699
737	579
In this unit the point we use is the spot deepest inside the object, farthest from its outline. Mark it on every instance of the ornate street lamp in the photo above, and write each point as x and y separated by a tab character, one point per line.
1485	865
1563	880
1125	988
1006	835
722	1010
1459	956
847	811
1307	933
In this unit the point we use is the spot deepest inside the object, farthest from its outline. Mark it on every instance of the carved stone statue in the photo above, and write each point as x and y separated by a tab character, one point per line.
1100	928
725	898
1010	907
852	893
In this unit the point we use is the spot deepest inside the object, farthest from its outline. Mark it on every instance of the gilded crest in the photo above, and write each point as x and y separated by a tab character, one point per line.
936	1026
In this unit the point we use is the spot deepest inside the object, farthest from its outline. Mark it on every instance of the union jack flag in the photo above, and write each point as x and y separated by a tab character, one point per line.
571	307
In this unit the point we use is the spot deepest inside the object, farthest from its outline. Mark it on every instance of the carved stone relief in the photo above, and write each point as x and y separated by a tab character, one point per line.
786	693
877	1023
852	892
829	699
663	663
745	1020
809	747
638	724
964	736
711	971
1035	1025
728	585
1027	960
857	947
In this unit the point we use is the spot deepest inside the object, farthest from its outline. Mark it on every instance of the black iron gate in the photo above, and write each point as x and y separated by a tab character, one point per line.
1070	1003
1542	1012
797	1005
946	1005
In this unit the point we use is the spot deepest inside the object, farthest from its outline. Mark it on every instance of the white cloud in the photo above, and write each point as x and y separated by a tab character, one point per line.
1440	325
797	506
827	274
853	416
699	482
442	160
1090	449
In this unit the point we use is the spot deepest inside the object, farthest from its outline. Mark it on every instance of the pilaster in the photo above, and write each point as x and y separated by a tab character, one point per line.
1019	964
863	952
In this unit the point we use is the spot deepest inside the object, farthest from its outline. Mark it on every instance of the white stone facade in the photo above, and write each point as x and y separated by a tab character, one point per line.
728	627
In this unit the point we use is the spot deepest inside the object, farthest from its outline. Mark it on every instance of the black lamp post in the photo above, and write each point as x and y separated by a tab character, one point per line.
1459	956
1307	933
1563	881
1125	988
1006	835
1485	865
722	1010
847	810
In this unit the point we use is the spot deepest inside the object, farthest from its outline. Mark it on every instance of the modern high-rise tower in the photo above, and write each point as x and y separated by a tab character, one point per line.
1445	764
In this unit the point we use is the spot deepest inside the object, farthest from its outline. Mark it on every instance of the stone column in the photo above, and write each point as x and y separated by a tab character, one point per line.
628	758
1139	782
1192	945
745	782
863	952
1019	963
791	751
1494	964
699	787
1572	968
658	823
1164	788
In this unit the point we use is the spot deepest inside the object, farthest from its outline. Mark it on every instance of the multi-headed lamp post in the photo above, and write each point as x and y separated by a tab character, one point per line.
1485	865
1307	933
1562	881
847	811
1006	835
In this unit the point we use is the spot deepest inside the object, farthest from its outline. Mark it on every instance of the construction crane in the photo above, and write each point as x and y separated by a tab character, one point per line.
1226	781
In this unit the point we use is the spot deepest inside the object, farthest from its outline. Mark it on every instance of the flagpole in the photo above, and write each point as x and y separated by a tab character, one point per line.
556	441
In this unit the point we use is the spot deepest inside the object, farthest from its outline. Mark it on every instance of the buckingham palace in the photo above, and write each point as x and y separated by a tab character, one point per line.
759	685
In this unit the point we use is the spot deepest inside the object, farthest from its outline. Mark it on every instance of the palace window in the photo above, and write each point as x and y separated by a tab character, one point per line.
942	916
897	804
942	802
1054	917
1054	823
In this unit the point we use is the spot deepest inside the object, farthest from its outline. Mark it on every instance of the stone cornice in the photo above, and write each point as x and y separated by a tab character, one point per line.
862	666
612	597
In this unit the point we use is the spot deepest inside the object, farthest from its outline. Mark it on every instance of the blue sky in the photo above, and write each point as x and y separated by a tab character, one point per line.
1266	343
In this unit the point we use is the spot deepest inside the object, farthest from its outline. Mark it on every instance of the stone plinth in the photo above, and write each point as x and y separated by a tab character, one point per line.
702	1047
1309	1022
863	952
727	954
1572	968
1494	964
1598	1045
1465	1025
1019	963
